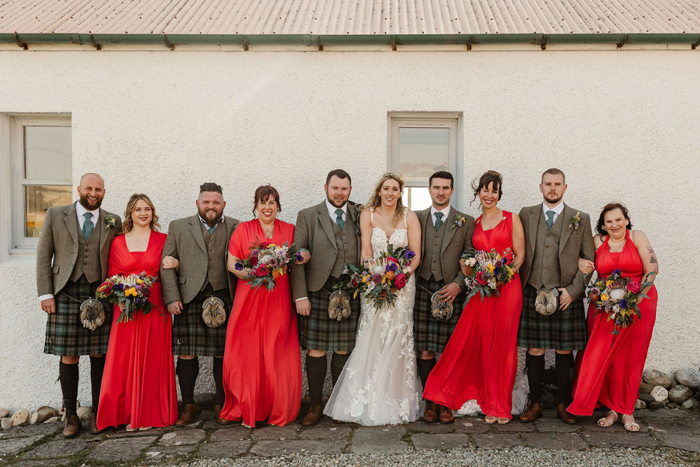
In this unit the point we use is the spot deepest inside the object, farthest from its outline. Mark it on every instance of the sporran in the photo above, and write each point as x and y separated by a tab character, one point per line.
213	312
92	314
547	301
339	305
441	310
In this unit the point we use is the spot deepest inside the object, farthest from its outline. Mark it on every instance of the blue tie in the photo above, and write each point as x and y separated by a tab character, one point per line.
550	219
88	225
438	220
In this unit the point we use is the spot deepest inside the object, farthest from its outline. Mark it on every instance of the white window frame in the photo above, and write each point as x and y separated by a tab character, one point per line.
450	120
19	244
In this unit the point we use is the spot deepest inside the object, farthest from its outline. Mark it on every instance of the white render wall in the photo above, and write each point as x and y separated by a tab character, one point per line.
621	124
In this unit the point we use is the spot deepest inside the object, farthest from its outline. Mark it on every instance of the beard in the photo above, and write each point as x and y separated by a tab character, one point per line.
90	205
553	198
206	215
335	203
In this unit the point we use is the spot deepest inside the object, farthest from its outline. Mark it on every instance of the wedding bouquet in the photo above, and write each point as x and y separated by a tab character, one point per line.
619	298
267	262
130	293
487	271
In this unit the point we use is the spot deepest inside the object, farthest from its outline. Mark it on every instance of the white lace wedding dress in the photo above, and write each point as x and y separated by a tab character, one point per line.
379	384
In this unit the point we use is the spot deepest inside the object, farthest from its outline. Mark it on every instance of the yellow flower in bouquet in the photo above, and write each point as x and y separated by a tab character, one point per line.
604	297
489	267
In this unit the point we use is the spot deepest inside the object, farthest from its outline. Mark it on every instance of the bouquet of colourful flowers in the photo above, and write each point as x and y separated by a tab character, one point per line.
130	293
267	262
487	272
619	298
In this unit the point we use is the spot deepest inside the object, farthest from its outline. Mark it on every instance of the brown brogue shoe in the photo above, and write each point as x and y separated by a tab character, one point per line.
72	426
93	424
430	414
566	417
188	415
221	421
445	414
313	416
532	412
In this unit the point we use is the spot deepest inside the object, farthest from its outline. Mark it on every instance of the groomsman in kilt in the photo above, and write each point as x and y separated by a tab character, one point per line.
200	244
447	233
71	262
556	236
330	231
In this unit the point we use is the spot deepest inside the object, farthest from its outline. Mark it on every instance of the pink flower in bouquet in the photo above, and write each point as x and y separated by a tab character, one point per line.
400	281
634	287
262	271
480	278
253	260
377	279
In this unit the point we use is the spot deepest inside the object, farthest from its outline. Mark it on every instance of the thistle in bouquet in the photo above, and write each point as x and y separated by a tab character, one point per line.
619	297
130	294
267	262
487	271
382	277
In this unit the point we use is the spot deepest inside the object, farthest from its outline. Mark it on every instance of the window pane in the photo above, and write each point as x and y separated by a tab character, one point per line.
416	198
422	151
38	200
47	153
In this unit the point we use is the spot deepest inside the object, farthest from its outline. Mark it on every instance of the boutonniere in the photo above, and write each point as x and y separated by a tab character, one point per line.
110	222
573	223
459	222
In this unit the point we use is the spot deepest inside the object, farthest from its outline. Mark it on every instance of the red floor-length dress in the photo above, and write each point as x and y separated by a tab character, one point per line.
262	365
138	385
481	358
612	366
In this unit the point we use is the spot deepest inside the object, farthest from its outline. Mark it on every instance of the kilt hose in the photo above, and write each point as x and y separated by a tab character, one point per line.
562	330
428	333
65	334
191	336
318	332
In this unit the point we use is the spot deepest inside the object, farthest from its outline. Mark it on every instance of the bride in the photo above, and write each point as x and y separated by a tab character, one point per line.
379	385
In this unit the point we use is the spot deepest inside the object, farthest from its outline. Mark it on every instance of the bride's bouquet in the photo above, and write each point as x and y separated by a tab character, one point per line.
487	272
266	262
619	298
381	277
129	293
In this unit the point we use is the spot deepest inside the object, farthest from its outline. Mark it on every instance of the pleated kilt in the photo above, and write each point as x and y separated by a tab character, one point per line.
191	336
318	332
65	334
428	333
562	330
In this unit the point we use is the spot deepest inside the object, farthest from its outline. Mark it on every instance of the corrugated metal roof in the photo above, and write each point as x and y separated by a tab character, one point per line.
349	17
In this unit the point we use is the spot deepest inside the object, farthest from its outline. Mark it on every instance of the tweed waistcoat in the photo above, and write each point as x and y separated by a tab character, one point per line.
88	261
432	246
216	244
545	271
347	246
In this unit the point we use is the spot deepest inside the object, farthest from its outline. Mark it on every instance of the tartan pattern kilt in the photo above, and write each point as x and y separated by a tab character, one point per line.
428	333
562	330
318	332
65	334
191	336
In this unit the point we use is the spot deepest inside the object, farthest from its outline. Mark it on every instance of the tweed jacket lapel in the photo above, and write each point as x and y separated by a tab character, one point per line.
449	223
532	224
424	219
568	213
326	223
103	228
196	231
71	221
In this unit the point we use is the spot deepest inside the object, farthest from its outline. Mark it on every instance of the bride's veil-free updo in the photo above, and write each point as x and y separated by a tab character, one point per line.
376	200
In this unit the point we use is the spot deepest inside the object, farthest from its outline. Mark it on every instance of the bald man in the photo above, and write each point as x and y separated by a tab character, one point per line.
71	262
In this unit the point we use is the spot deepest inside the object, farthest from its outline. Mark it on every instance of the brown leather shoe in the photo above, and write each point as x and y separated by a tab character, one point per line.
93	424
72	426
532	412
445	414
217	412
430	414
313	416
565	416
188	415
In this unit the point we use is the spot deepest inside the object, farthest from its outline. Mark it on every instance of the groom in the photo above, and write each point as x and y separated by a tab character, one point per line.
447	233
330	231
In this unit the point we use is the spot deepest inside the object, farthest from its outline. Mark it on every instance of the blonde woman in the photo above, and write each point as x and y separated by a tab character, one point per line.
379	384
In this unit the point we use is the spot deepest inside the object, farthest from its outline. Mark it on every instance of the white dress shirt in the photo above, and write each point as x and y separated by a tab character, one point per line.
445	212
332	209
557	210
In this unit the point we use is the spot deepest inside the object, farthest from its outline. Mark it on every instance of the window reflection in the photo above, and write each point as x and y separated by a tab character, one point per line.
39	198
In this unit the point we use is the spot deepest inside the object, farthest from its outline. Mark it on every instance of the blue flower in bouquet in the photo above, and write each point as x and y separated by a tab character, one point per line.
299	258
617	272
409	255
391	267
623	303
239	266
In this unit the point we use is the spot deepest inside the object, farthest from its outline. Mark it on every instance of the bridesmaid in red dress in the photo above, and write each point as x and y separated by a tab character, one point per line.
262	364
481	358
612	365
138	386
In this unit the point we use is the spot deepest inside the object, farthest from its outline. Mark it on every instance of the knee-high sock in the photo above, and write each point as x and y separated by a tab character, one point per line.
337	363
535	373
187	372
564	364
316	373
424	369
219	380
97	369
68	374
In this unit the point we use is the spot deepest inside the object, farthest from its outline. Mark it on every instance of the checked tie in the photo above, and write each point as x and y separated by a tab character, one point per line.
88	225
339	219
438	220
550	219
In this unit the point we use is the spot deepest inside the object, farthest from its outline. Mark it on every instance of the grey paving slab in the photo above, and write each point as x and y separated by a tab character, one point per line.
269	448
515	426
422	427
14	445
555	441
497	440
31	430
277	432
471	425
137	433
180	437
224	449
668	413
235	433
43	463
62	448
160	453
673	426
624	440
684	442
122	449
439	441
378	440
550	425
330	432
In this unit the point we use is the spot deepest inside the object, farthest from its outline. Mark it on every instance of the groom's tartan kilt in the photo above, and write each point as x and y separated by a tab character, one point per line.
318	332
191	336
65	334
430	334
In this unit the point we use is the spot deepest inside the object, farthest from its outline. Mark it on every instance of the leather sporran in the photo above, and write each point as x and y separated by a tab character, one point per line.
441	310
213	312
92	314
547	301
339	305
